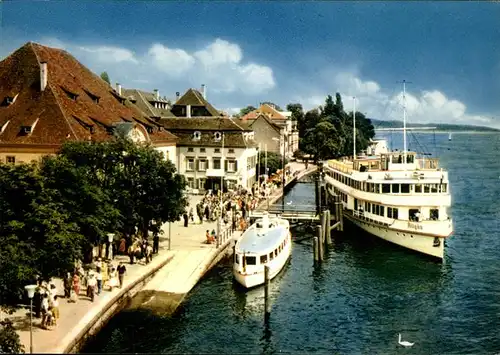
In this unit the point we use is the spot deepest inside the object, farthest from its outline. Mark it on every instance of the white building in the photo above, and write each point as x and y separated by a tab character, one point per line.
214	149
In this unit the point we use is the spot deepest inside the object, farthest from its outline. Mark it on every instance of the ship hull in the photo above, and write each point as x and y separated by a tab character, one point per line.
425	244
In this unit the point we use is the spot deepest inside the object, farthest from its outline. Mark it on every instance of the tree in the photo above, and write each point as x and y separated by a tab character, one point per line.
274	162
38	237
105	77
9	339
297	112
246	110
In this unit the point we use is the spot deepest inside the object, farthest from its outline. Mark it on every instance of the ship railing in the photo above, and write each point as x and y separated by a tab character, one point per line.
226	232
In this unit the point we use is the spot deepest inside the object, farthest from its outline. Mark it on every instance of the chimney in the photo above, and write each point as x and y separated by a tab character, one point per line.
157	94
188	111
43	75
204	91
119	89
177	95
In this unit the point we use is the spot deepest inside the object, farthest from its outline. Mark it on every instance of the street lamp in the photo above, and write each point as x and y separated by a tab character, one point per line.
30	289
111	236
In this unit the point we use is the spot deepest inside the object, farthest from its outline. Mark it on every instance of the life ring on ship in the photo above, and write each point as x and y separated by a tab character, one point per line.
437	242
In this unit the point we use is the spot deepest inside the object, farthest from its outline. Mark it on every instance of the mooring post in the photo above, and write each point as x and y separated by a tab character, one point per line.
317	193
319	233
316	249
341	216
323	226
266	291
328	228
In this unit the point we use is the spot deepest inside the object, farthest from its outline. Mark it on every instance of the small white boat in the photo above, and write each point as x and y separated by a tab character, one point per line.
267	242
449	137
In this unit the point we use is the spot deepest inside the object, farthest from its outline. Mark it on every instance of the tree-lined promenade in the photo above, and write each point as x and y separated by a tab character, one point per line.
54	212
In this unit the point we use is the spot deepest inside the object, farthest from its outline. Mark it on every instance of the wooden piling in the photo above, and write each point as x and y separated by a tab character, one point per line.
341	216
266	291
317	192
316	249
319	233
323	226
328	232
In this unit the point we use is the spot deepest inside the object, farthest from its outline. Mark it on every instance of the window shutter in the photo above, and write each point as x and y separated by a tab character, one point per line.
197	165
235	165
225	165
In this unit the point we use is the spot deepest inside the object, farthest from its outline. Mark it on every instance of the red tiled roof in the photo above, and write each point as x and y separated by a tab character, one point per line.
58	117
271	112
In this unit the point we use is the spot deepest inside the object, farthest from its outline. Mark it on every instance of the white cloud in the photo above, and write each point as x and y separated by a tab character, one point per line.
173	62
220	65
428	106
107	54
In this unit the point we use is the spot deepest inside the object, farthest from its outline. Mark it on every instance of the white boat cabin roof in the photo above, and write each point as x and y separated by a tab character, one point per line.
261	240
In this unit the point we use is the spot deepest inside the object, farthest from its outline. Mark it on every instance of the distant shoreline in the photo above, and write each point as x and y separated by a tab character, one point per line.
441	132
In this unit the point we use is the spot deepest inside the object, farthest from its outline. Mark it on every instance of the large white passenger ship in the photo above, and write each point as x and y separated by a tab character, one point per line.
267	242
396	196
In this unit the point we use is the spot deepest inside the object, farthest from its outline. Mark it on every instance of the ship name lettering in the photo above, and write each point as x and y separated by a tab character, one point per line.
415	226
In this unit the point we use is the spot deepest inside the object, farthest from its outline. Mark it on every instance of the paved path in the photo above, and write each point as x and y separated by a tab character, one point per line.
186	244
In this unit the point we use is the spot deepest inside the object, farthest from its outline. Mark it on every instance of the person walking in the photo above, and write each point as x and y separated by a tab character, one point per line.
121	273
99	280
186	219
156	243
91	285
68	281
76	285
55	309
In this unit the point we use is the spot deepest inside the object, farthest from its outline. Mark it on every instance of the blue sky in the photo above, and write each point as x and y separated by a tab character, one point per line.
248	52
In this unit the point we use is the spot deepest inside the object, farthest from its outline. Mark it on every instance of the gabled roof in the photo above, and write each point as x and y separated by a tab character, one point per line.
234	131
194	98
264	117
266	109
75	105
143	99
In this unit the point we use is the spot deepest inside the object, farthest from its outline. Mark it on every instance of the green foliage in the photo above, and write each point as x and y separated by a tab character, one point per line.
53	212
105	77
297	112
274	162
246	110
9	339
327	132
38	236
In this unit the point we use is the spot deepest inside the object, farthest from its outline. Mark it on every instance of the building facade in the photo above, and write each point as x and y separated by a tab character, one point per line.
214	151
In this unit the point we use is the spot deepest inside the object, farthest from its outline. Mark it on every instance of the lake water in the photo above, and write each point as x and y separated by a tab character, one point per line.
363	295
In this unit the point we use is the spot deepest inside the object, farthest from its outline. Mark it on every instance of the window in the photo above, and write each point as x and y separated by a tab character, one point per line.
216	163
93	97
197	135
418	188
275	252
190	182
10	159
392	212
231	150
251	260
413	214
382	212
190	164
426	188
202	165
190	150
217	150
202	150
263	259
217	136
395	188
386	188
70	94
443	187
271	256
231	165
405	188
434	214
201	183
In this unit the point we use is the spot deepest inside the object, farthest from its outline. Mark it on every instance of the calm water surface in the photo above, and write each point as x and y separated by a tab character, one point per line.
363	295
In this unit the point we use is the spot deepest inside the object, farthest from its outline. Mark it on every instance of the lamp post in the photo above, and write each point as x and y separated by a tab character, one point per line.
30	289
111	237
282	151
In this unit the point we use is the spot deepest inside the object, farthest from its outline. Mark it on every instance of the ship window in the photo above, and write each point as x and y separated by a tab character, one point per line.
405	188
412	213
418	188
382	212
386	188
434	214
426	188
275	252
395	188
434	188
389	212
271	256
263	259
395	213
377	209
377	188
250	260
443	187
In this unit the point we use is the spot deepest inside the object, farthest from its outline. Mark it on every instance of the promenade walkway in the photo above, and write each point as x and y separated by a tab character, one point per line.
75	318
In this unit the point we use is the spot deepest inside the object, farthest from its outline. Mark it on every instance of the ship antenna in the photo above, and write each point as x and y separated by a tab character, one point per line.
354	127
404	123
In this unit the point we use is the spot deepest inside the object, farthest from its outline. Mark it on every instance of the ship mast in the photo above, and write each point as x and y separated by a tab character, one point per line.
404	124
354	127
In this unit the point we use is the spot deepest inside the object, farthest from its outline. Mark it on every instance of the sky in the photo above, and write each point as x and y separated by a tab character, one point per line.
247	52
